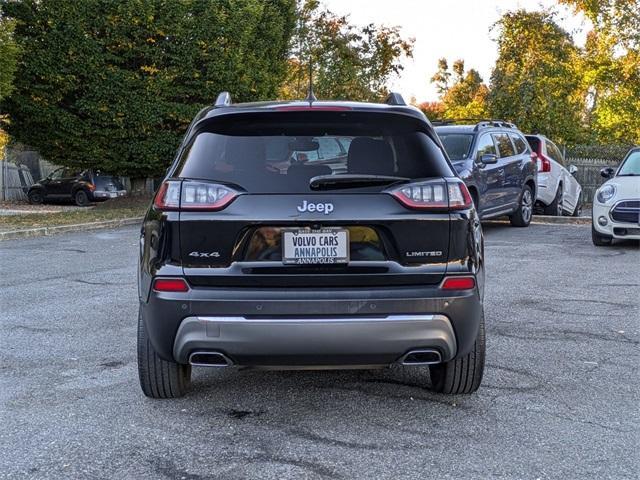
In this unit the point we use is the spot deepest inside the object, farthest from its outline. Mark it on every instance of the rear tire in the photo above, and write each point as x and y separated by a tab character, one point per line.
555	208
81	198
35	198
464	374
159	378
600	240
522	216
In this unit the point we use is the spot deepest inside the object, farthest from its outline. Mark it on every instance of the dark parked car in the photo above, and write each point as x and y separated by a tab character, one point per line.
365	251
82	187
497	164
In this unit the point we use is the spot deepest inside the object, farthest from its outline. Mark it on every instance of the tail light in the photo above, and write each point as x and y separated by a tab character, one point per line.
544	165
458	283
170	285
434	195
190	195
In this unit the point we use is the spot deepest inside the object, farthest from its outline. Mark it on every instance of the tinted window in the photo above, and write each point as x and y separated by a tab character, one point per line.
457	145
281	157
519	143
554	152
534	142
486	146
328	148
505	147
57	174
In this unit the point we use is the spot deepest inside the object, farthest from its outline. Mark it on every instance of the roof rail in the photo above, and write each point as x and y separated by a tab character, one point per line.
494	123
223	100
479	122
395	98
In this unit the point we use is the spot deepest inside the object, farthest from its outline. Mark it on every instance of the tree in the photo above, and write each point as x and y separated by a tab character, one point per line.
536	82
466	97
8	57
347	62
442	77
9	53
620	19
433	110
113	85
610	69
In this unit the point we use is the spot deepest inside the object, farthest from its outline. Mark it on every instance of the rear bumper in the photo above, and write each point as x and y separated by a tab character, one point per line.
328	341
312	326
104	195
546	189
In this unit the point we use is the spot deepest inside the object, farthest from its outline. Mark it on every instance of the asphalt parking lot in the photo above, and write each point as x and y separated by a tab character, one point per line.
559	399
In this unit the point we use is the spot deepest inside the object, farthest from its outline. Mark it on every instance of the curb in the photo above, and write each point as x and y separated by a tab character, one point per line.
78	227
549	220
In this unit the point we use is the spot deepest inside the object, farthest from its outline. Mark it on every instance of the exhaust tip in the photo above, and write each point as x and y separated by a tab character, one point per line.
209	359
421	357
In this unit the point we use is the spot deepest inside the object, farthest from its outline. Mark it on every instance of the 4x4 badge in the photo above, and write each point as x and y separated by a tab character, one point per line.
325	208
204	254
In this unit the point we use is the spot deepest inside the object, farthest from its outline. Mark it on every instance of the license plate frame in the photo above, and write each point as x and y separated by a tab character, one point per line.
341	246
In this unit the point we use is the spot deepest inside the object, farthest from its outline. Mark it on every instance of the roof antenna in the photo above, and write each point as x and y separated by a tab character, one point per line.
310	95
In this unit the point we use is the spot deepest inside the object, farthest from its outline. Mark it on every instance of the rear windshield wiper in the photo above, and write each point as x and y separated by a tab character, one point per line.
347	180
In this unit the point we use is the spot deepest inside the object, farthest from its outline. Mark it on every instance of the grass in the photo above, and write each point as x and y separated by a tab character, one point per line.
116	209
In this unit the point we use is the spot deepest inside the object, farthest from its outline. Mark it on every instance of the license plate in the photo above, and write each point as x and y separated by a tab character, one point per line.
327	246
113	194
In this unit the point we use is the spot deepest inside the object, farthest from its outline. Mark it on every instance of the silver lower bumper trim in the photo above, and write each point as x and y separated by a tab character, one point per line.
314	341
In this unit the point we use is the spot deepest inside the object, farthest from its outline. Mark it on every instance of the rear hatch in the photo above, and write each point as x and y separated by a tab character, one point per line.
311	199
107	183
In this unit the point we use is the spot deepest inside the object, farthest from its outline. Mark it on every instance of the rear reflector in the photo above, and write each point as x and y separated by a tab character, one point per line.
170	285
458	283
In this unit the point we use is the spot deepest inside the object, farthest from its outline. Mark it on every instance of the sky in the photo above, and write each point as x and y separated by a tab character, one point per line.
446	28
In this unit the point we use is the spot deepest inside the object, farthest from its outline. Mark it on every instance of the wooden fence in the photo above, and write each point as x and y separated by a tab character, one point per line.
588	174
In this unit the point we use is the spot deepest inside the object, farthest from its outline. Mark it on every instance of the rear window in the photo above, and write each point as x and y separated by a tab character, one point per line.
457	145
282	152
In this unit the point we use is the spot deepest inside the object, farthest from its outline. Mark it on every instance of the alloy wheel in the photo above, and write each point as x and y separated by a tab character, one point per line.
527	205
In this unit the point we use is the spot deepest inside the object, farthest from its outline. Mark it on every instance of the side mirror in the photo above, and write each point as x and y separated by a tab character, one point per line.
607	172
573	169
488	159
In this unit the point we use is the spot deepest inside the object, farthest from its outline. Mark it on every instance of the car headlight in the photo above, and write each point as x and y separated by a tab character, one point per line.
606	193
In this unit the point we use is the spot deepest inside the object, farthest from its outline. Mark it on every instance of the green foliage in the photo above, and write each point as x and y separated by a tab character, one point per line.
466	97
114	84
610	69
348	62
442	77
619	19
9	53
536	82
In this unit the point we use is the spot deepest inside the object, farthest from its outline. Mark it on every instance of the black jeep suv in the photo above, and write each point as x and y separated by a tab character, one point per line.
497	165
311	235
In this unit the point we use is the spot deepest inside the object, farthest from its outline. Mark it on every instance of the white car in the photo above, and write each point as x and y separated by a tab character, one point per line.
559	193
616	204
